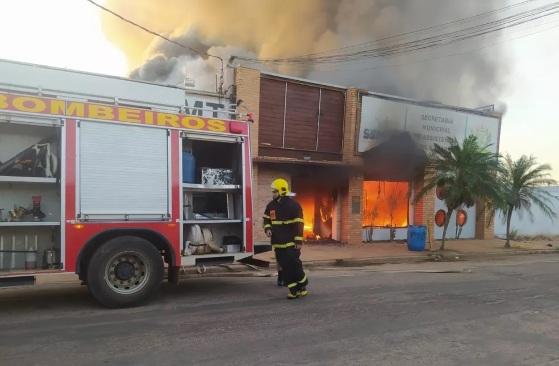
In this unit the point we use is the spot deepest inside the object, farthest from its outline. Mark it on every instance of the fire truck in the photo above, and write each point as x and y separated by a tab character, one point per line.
121	181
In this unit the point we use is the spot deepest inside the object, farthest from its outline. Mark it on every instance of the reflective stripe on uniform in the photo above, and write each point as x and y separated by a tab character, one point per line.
287	222
304	279
265	217
291	285
267	226
283	246
300	238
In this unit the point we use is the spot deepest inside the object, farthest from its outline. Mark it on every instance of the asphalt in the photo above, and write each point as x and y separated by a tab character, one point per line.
460	313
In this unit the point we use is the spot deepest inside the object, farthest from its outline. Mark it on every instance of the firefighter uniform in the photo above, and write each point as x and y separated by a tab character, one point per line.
284	217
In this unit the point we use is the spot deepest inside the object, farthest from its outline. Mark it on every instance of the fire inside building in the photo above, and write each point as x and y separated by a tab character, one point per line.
355	159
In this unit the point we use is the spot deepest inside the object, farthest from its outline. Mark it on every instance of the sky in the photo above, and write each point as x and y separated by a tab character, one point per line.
68	34
61	33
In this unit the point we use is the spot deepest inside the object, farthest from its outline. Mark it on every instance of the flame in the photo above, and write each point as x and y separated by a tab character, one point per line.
385	204
307	204
317	218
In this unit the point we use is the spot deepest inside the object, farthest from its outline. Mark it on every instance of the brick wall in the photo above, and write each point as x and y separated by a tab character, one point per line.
247	82
351	125
353	233
424	209
418	209
485	223
351	222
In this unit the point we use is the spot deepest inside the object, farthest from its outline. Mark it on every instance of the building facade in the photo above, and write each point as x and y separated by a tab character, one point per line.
355	159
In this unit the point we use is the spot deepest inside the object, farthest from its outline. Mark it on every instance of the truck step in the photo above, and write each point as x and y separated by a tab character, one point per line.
17	281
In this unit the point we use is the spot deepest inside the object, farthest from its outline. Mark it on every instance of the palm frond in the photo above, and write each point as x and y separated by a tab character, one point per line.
520	184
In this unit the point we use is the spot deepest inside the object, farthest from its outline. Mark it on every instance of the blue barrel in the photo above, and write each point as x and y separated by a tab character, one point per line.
416	238
188	167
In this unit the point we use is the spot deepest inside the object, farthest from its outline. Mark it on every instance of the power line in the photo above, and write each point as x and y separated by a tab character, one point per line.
201	53
423	60
422	43
421	30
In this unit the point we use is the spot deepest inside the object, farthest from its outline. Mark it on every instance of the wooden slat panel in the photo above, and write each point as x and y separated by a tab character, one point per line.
330	133
301	116
298	154
272	98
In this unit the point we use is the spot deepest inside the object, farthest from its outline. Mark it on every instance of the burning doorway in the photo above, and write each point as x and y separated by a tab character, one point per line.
320	208
385	210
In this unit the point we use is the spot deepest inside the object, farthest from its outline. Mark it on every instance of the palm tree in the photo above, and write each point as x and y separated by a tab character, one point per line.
520	182
465	173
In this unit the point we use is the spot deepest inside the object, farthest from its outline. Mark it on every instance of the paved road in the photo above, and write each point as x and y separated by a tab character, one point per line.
500	313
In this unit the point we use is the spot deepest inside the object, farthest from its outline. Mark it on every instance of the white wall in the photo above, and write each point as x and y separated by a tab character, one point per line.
468	230
541	224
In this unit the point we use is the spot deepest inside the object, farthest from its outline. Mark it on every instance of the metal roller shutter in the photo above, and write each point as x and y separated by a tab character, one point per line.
123	171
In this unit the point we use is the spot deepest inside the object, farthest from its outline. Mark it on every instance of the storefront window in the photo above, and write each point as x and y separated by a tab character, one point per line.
385	204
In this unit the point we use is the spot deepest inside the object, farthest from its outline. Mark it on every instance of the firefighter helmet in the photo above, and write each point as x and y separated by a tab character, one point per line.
281	186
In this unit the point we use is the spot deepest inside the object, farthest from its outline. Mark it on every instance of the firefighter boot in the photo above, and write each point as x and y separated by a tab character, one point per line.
302	287
293	291
302	292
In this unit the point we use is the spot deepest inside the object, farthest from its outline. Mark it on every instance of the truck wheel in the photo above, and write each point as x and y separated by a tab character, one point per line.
124	271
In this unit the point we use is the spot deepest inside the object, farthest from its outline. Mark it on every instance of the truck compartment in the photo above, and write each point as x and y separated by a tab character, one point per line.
215	163
213	238
213	208
30	196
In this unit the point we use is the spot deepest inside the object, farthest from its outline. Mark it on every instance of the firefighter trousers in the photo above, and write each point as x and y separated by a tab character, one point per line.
292	269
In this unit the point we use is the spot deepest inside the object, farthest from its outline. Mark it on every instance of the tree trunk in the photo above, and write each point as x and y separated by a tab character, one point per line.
446	222
509	217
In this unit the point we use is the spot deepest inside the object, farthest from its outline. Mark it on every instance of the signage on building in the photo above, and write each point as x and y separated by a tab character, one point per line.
208	106
380	118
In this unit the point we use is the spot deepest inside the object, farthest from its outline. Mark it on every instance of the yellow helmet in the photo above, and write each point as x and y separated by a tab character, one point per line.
281	186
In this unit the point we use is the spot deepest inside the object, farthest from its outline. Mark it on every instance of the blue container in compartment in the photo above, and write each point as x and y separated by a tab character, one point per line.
416	238
188	167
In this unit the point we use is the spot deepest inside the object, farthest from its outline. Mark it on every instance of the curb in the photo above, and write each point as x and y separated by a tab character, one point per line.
358	262
457	256
431	257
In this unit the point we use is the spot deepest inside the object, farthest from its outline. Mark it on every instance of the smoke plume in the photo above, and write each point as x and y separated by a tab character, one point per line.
286	28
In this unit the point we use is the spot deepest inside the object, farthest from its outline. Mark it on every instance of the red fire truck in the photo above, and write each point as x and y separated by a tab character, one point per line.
119	181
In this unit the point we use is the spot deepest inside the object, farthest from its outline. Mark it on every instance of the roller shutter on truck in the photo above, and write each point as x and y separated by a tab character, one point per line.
123	172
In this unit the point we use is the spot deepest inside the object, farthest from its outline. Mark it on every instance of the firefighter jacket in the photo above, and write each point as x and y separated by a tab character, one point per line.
284	217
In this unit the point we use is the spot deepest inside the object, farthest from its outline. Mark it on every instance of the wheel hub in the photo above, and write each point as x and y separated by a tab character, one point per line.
124	271
127	272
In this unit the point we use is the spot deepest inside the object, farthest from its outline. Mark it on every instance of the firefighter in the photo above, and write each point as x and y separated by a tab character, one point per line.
283	223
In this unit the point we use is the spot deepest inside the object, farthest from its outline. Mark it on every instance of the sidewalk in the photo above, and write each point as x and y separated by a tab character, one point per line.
397	252
323	255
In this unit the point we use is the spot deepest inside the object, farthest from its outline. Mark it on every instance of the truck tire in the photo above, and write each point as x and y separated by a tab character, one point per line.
125	271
